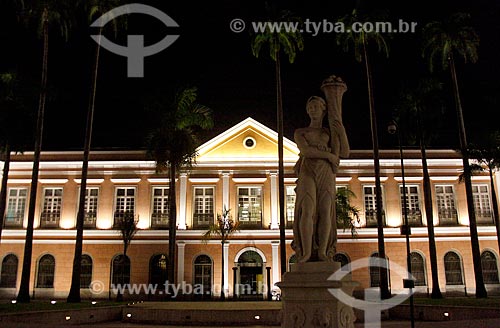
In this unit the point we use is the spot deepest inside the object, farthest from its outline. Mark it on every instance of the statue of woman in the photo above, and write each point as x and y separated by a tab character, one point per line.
315	226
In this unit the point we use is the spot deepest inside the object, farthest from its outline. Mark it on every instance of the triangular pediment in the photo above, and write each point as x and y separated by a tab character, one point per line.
247	141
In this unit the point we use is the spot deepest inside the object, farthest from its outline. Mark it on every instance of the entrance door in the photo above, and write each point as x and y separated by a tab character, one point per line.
251	282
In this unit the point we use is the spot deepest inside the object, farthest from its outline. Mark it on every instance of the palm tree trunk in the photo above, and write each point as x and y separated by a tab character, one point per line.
222	294
74	293
24	295
281	169
172	230
119	295
495	205
436	291
384	286
476	254
3	191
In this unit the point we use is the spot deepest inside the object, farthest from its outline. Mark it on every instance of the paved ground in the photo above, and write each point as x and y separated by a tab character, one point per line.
483	323
486	323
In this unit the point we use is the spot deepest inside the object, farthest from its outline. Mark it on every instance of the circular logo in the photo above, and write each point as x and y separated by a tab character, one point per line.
372	304
96	286
237	25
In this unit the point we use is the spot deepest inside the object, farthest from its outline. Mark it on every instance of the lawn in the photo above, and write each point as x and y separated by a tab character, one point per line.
493	302
46	305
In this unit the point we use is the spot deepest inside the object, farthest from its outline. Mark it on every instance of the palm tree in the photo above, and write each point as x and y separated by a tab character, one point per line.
359	43
489	156
445	40
425	97
173	146
94	9
127	226
223	229
12	105
290	42
347	214
44	13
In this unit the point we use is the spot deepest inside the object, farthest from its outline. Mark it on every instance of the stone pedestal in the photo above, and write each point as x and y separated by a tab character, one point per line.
307	303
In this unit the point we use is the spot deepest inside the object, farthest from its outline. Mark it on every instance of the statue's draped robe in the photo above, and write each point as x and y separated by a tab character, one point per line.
316	180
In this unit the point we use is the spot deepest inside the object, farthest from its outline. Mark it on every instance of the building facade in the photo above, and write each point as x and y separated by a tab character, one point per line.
236	170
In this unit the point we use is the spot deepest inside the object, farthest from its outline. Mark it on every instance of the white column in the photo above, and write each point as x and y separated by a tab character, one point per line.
496	180
274	200
226	268
225	190
2	163
182	206
180	261
275	262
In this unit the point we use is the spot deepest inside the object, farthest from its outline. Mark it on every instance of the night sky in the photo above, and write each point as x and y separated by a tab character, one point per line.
235	84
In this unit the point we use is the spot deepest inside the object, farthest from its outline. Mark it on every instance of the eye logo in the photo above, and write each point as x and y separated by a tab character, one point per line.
372	305
135	51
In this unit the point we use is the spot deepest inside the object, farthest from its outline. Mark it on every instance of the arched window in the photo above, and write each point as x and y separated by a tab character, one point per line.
418	268
46	268
251	282
158	270
453	269
292	260
121	270
203	273
8	277
86	271
375	271
490	267
344	261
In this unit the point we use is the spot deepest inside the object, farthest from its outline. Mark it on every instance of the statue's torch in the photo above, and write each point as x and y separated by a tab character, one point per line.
333	87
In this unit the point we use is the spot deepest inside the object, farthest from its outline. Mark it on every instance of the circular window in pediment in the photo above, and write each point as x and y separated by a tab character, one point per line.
249	143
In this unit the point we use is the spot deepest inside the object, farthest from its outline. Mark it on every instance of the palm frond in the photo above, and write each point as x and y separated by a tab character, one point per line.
223	228
453	36
290	41
347	214
174	141
357	41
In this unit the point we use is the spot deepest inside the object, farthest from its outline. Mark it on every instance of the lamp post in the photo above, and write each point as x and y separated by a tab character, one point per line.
393	128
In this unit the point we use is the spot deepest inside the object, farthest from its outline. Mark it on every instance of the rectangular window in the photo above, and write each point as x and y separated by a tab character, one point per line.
290	206
124	202
52	204
370	203
91	200
16	207
203	214
161	208
250	207
445	198
412	205
482	204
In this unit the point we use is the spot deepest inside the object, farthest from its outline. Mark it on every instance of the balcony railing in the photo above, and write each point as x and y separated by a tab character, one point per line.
159	221
50	219
484	217
250	224
90	220
371	218
119	215
448	216
202	220
14	220
414	217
